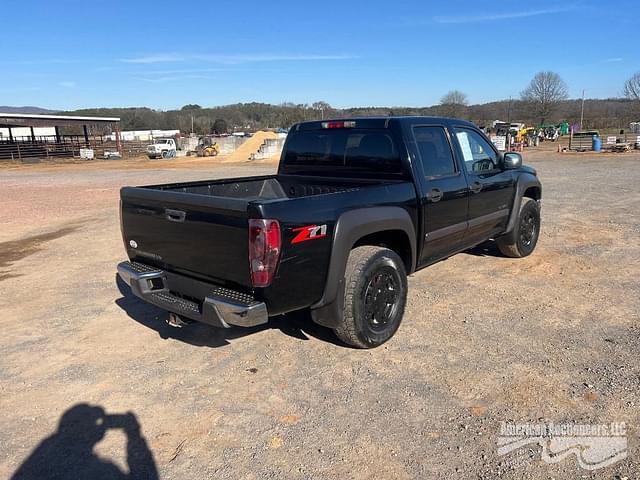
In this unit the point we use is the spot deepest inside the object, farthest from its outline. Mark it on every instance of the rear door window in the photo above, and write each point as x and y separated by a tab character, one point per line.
435	151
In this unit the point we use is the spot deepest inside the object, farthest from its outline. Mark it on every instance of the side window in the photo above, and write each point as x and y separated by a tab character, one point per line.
435	151
477	153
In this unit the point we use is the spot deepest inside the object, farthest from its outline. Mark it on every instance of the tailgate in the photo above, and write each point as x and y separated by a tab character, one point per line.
198	235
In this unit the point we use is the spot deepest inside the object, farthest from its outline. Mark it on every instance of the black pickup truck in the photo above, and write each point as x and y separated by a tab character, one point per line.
355	207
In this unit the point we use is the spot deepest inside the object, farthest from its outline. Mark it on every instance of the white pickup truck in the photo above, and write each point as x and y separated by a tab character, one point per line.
163	147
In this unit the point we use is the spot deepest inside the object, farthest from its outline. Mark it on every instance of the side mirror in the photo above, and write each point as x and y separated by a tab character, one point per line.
512	160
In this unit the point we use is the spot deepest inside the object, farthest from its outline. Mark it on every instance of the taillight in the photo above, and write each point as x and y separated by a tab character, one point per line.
264	250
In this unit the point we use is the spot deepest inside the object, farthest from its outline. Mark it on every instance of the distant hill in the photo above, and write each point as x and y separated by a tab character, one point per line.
611	113
5	109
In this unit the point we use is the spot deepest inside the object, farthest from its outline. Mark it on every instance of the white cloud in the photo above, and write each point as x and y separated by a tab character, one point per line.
231	59
177	78
500	16
186	71
614	59
165	58
68	84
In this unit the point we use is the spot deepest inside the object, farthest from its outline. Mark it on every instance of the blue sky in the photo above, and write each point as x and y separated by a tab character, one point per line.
68	54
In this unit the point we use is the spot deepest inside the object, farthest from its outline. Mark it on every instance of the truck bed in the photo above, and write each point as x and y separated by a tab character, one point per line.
263	188
200	229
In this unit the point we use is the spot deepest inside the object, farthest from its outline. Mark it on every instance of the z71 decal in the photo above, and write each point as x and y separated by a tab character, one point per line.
310	232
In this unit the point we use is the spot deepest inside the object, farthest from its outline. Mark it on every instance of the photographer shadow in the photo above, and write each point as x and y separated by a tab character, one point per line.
68	453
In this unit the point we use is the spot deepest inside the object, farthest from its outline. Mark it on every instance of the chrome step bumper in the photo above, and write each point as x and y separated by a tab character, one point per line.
221	307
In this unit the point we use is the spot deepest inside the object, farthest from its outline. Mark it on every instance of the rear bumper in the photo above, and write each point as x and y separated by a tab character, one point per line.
221	307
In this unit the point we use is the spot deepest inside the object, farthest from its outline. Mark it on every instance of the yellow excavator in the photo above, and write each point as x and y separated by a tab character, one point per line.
528	136
207	147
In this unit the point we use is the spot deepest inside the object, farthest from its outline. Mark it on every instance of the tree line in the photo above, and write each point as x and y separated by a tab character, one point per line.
544	100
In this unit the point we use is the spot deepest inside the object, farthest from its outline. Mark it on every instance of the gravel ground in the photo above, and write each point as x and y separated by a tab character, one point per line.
485	339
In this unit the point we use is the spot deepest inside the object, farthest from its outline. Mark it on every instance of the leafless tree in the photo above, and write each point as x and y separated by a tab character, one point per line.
544	93
323	107
632	87
453	104
632	92
455	97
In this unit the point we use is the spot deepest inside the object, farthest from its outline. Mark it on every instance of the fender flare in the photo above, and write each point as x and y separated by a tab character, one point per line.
525	181
351	227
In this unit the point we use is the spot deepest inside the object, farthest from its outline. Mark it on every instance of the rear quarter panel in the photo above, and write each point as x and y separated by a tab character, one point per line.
302	271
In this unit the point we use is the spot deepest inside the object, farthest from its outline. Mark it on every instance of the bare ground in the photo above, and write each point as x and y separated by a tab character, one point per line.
485	339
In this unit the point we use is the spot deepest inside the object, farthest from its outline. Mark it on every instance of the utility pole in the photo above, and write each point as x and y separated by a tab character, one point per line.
582	110
191	124
509	125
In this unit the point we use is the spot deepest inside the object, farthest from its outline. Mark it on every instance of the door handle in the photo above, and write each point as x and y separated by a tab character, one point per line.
475	187
174	215
435	195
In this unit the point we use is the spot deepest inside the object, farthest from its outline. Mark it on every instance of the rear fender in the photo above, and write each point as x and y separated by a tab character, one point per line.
351	227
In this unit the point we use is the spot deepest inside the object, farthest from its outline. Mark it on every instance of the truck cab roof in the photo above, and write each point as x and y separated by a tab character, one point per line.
380	122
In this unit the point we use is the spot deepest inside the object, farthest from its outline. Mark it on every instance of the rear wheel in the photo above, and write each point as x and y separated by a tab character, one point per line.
375	297
523	240
165	154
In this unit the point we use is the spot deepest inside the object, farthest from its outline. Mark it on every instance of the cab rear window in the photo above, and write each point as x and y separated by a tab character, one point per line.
357	150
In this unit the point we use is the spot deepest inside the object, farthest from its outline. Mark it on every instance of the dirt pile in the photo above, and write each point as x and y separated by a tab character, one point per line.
244	151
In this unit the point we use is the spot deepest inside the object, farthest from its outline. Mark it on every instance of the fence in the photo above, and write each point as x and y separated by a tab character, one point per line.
69	146
580	142
624	141
621	142
24	148
134	148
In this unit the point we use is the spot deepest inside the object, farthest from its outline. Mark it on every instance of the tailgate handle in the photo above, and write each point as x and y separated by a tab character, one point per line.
174	215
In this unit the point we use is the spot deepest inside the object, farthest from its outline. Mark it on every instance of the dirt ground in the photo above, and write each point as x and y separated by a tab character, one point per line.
485	339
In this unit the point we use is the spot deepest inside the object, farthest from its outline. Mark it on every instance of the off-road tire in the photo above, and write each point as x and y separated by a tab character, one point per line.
522	241
368	267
